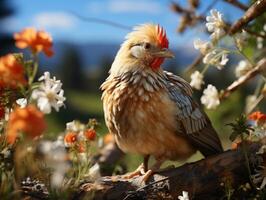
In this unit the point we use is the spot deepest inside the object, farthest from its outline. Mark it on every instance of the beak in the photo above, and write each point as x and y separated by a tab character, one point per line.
164	53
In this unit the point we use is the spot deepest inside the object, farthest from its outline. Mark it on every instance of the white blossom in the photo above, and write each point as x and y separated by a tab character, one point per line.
241	39
210	97
54	154
49	94
73	126
260	177
22	102
94	172
215	24
202	46
196	80
216	57
184	196
242	68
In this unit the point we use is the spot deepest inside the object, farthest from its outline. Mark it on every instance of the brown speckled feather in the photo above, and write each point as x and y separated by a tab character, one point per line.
196	123
153	113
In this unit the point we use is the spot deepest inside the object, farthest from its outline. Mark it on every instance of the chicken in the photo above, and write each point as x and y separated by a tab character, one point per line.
150	111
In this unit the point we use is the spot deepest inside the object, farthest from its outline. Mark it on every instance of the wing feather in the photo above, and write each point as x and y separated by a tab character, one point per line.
196	124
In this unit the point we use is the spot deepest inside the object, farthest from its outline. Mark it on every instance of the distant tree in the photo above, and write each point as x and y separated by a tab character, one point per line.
70	70
5	38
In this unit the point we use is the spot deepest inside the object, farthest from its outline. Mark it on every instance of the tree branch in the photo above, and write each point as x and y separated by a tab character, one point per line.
257	9
260	67
207	178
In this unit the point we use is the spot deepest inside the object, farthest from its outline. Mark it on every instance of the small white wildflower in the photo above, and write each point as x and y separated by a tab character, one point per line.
54	156
262	150
202	46
217	58
241	39
29	149
260	41
49	94
57	179
22	102
259	132
196	80
72	126
94	172
242	68
215	24
260	177
184	196
210	97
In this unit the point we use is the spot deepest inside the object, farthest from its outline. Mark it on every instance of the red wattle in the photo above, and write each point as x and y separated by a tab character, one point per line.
156	63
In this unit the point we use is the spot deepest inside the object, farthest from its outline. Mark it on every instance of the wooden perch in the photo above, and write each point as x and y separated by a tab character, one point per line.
260	67
204	179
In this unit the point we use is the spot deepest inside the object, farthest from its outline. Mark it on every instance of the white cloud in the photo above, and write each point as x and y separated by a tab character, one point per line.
127	6
54	20
10	24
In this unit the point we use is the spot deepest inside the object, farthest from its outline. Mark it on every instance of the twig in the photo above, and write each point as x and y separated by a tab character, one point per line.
254	33
101	21
195	63
261	66
257	9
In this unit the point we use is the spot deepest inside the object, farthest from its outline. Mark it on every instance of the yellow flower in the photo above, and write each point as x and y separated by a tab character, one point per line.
28	120
12	72
37	41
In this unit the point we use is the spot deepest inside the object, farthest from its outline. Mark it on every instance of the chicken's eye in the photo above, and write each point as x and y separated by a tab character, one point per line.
147	45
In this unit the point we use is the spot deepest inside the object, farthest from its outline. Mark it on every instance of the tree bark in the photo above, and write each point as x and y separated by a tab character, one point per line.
205	179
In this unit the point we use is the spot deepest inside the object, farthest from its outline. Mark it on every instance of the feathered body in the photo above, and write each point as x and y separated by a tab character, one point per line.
151	111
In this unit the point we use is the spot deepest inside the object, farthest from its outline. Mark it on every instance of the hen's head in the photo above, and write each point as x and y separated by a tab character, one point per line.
146	46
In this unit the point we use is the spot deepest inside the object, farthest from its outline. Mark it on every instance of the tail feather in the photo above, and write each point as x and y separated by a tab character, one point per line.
207	141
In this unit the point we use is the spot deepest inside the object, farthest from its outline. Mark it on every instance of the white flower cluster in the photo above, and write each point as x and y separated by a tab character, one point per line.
55	155
260	40
215	24
184	196
216	57
49	94
242	68
196	80
210	97
212	56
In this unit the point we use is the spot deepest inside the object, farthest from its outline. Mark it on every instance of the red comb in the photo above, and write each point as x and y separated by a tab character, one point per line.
163	41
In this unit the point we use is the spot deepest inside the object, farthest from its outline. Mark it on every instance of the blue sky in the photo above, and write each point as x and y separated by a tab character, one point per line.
55	16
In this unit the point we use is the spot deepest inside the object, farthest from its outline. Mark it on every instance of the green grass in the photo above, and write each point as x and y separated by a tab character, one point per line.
85	102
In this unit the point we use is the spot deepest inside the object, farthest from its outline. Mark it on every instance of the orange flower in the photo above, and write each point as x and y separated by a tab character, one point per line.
37	41
108	138
257	116
80	147
90	134
70	139
28	120
12	72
